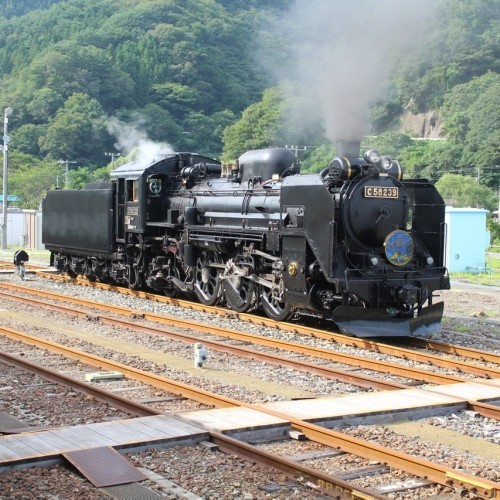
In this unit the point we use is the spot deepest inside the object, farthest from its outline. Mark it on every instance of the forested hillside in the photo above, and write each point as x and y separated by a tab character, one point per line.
90	77
448	70
186	67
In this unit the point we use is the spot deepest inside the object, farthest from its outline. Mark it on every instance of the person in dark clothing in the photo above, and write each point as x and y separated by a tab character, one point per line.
20	257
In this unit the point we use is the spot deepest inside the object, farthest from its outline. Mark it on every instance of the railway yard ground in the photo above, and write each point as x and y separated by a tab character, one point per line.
380	440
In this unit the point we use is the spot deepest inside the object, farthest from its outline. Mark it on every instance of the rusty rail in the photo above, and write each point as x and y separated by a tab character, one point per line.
414	465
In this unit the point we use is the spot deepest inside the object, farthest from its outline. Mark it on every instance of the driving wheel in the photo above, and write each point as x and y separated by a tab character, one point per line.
273	307
207	284
239	293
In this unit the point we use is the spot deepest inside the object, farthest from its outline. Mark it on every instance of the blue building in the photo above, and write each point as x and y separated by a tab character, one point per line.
12	200
467	239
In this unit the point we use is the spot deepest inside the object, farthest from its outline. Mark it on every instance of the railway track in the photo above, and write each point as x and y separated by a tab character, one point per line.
421	468
325	332
481	368
7	291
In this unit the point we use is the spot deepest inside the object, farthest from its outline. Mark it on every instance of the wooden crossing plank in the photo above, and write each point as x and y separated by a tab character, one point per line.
171	426
7	454
116	433
158	426
476	391
20	447
53	443
40	444
362	404
83	436
161	428
247	418
147	430
223	419
179	427
120	432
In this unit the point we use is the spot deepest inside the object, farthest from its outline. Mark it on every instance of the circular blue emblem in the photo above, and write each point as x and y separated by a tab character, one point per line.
399	247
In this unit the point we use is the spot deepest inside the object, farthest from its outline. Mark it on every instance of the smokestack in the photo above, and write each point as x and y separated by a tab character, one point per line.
348	149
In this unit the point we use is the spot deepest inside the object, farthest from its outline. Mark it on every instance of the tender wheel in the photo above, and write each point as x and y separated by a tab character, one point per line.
72	274
207	284
90	270
273	308
239	293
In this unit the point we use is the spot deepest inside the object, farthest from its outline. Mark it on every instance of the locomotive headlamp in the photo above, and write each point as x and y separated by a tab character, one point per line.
430	260
386	163
374	261
372	156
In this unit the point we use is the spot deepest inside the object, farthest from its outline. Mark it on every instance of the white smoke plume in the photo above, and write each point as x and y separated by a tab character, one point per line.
133	142
342	52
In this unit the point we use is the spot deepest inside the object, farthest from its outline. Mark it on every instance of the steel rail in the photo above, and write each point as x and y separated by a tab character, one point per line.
468	352
169	385
485	409
364	381
119	402
414	465
419	467
321	480
329	484
375	365
305	330
356	379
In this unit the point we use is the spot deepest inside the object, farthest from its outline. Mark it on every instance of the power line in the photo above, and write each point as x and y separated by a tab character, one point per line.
67	162
113	155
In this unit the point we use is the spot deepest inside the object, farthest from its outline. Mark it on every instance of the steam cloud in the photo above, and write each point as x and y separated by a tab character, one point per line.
133	142
343	52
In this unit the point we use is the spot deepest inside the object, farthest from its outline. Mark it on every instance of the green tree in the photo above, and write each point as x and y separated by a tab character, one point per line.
30	179
318	158
204	133
278	119
461	43
44	104
77	127
471	114
26	138
159	124
462	191
72	68
257	127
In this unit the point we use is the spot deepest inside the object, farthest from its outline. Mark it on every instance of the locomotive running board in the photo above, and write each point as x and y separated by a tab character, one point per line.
377	323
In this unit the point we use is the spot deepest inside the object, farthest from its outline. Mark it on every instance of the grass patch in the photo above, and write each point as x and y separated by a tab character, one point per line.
35	255
491	277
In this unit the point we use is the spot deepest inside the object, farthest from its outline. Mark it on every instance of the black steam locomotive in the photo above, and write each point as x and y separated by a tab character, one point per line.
354	243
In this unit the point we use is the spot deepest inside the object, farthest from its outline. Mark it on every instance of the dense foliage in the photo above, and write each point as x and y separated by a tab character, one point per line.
190	74
454	71
181	71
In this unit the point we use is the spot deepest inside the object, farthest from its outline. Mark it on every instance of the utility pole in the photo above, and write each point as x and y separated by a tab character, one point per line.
67	162
113	156
7	112
296	149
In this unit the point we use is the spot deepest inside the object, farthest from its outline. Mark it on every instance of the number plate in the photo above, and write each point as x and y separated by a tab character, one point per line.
381	192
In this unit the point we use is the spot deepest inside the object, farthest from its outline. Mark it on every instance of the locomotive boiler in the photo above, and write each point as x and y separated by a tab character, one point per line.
354	243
